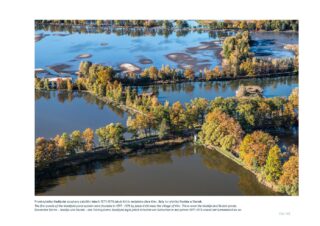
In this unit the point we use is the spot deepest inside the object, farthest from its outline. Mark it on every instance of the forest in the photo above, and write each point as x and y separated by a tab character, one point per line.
253	25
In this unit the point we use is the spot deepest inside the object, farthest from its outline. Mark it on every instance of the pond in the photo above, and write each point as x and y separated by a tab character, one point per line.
57	112
184	92
188	170
143	48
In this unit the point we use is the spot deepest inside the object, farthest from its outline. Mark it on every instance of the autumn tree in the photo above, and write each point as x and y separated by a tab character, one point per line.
289	179
88	137
177	116
191	116
69	85
65	144
39	83
84	67
153	73
45	150
255	147
235	50
221	130
111	135
273	167
189	74
201	106
76	140
46	84
294	98
141	124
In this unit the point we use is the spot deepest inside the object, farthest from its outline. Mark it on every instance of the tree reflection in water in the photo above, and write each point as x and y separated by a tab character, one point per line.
153	159
179	160
64	96
220	87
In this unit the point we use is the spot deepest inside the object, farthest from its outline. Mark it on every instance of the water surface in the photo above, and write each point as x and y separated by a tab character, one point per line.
188	170
114	47
57	112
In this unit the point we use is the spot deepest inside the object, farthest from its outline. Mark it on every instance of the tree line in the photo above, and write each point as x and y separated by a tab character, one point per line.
260	113
165	24
254	25
60	84
109	136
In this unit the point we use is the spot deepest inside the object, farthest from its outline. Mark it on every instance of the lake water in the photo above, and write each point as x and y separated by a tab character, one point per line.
57	112
188	170
114	47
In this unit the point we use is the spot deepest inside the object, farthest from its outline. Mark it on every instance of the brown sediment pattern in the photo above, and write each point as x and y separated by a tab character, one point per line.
180	57
145	61
84	56
60	68
128	67
211	45
185	61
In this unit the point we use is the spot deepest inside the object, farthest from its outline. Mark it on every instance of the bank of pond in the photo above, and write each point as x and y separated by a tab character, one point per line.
232	125
184	170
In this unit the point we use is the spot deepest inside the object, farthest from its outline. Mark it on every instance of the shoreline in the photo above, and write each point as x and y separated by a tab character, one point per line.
62	167
197	79
151	83
190	28
258	175
53	169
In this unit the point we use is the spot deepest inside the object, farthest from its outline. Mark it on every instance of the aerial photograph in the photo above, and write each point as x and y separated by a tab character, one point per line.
166	107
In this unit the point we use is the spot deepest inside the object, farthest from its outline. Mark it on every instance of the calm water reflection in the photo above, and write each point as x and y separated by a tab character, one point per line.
114	47
184	92
58	112
184	171
188	170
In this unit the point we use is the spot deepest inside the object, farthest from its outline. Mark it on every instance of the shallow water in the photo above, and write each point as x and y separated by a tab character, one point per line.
116	47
